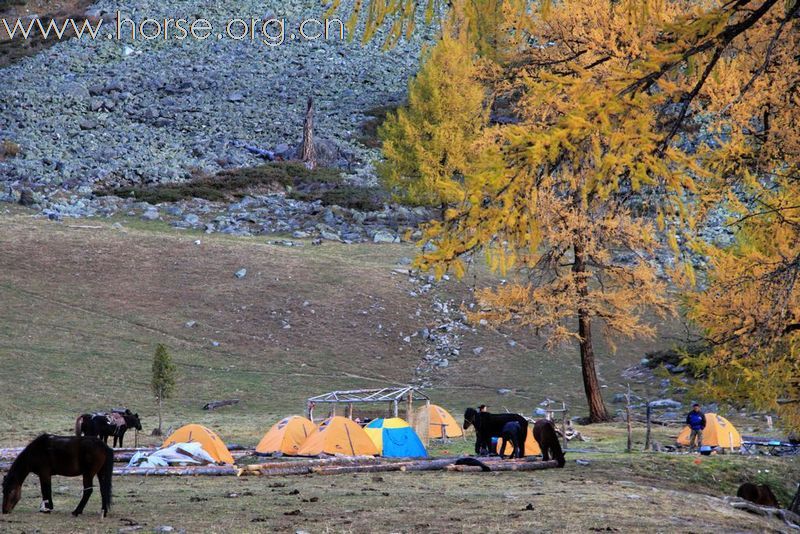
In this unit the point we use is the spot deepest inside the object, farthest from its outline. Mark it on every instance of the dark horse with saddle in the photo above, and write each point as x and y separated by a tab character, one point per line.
513	428
105	424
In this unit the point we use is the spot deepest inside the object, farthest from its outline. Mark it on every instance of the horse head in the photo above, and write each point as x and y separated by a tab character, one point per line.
12	492
134	421
469	417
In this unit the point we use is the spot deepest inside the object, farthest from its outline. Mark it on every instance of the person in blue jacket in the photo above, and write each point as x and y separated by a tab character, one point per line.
696	420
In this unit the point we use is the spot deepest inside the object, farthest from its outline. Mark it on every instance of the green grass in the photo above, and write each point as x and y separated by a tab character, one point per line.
231	184
300	183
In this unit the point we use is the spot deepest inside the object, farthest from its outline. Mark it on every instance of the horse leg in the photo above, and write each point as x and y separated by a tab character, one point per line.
87	492
47	493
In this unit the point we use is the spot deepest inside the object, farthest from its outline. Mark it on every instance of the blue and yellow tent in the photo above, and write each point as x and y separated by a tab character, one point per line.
395	438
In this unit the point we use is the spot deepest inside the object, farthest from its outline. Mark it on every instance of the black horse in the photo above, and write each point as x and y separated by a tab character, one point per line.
544	432
103	425
95	425
490	425
510	434
69	456
131	421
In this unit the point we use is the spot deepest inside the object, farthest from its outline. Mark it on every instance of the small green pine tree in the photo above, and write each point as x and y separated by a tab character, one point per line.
163	381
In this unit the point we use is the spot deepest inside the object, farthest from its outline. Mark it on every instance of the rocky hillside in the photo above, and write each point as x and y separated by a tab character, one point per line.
88	112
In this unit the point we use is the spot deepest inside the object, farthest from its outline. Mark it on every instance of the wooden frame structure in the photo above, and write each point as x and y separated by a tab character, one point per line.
391	395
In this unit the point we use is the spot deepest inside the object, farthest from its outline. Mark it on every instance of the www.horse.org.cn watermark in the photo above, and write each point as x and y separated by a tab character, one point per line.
269	31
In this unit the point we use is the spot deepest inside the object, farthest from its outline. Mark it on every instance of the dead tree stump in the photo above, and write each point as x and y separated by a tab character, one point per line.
308	155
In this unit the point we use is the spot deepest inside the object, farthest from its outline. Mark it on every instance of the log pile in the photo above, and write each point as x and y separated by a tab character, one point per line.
192	470
504	466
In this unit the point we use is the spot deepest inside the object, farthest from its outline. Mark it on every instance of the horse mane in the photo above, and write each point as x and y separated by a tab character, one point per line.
20	462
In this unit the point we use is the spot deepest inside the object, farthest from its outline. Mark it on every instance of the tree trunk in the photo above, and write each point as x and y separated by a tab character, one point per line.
597	408
159	415
308	154
628	418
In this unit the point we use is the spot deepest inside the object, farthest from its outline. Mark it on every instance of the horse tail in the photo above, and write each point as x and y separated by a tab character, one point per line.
105	480
78	425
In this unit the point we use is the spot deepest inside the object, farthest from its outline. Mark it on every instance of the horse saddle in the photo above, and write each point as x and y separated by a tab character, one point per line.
116	419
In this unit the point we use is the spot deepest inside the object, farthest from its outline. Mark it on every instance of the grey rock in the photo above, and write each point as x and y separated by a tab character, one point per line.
384	236
666	403
330	236
151	214
87	124
241	273
503	391
477	351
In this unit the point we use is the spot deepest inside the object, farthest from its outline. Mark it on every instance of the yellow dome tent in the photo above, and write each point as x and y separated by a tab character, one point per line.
441	423
212	443
531	445
719	432
338	435
286	436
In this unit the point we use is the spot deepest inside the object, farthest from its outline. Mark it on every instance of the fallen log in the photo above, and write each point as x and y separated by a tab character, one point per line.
213	405
344	469
504	466
787	516
303	466
205	470
428	465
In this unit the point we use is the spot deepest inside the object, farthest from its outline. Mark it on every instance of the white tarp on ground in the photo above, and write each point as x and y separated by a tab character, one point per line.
178	454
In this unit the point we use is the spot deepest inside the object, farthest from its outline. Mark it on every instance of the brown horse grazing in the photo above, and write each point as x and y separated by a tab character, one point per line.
544	432
760	494
69	456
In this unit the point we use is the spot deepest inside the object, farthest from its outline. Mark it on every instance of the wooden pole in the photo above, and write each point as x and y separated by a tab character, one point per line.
395	411
648	417
564	424
629	448
410	409
350	411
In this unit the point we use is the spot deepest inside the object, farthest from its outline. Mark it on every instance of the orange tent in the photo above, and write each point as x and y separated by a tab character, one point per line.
286	436
212	443
719	432
531	445
338	435
441	423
